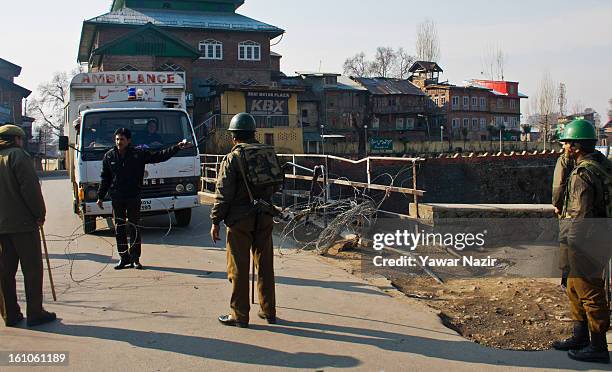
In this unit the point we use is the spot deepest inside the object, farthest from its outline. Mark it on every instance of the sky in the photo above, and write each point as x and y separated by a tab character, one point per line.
568	39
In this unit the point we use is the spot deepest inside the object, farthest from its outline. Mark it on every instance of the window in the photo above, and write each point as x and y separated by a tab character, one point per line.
330	80
483	103
269	139
499	121
483	124
511	89
409	123
304	113
455	102
500	103
474	102
211	49
128	68
513	104
474	123
399	123
455	123
436	101
466	102
170	67
375	123
466	123
249	51
442	101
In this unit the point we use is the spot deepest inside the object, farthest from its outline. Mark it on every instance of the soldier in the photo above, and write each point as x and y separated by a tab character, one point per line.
584	228
245	208
123	170
563	168
22	212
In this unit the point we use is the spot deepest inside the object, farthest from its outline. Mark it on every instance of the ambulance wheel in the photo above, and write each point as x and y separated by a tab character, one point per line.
89	224
75	207
183	217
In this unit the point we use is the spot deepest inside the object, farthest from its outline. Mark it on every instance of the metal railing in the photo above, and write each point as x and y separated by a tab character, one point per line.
211	163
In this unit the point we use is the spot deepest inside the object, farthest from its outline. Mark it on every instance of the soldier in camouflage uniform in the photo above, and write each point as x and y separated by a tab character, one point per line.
248	230
584	227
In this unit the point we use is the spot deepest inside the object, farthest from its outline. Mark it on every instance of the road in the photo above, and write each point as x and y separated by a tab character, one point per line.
164	318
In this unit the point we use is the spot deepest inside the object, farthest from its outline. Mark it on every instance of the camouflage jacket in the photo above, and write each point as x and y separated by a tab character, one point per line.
232	202
583	218
563	169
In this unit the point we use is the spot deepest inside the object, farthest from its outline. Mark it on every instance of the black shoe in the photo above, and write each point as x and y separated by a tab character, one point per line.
137	264
14	322
579	339
596	352
269	319
45	317
227	320
124	264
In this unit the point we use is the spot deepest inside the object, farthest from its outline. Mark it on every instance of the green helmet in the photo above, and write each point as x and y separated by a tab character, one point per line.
577	130
242	122
10	130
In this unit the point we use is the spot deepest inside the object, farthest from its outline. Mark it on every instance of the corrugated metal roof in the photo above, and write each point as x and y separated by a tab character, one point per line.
346	83
185	19
388	86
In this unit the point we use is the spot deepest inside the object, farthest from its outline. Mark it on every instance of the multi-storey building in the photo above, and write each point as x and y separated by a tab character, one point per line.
224	56
12	96
474	110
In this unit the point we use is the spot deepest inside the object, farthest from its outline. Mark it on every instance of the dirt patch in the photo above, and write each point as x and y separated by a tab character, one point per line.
501	312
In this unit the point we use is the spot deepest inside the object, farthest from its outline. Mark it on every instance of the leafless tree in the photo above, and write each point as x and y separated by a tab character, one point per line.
47	106
577	108
610	109
357	66
494	62
384	62
547	96
427	41
403	62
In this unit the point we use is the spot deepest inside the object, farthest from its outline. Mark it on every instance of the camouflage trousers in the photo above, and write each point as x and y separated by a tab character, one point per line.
252	234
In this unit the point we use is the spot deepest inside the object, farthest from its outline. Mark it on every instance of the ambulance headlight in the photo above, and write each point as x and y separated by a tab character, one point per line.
180	188
190	187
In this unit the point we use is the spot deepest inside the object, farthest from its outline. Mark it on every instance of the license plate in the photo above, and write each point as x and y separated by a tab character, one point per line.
145	205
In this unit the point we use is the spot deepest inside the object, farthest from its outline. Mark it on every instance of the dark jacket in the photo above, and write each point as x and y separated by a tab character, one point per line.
232	202
21	200
123	175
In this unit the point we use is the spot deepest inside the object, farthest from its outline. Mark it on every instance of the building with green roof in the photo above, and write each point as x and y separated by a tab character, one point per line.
225	56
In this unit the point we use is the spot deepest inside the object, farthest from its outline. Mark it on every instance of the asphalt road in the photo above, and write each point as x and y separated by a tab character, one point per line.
164	318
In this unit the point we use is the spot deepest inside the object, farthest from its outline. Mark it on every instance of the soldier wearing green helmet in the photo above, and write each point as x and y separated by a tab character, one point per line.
584	230
22	212
248	178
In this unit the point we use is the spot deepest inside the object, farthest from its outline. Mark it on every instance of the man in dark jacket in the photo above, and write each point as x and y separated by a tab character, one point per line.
123	170
22	212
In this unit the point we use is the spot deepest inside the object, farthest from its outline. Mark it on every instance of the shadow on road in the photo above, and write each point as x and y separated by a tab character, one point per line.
216	349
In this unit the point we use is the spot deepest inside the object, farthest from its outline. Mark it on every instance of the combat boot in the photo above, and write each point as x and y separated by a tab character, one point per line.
579	339
596	352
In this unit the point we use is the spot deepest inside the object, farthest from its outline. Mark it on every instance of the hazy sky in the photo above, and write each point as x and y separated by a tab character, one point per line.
570	39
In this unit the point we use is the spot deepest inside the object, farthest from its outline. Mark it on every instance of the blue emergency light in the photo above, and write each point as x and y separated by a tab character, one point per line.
131	93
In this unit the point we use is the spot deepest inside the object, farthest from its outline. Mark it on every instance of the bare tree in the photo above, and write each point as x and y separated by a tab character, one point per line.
384	63
494	62
610	109
403	62
357	66
427	41
51	98
547	96
577	108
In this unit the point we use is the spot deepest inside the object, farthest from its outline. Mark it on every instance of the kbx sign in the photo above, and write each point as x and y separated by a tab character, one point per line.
267	103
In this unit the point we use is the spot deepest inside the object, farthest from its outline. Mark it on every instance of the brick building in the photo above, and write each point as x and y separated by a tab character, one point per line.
397	110
11	98
470	110
225	57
